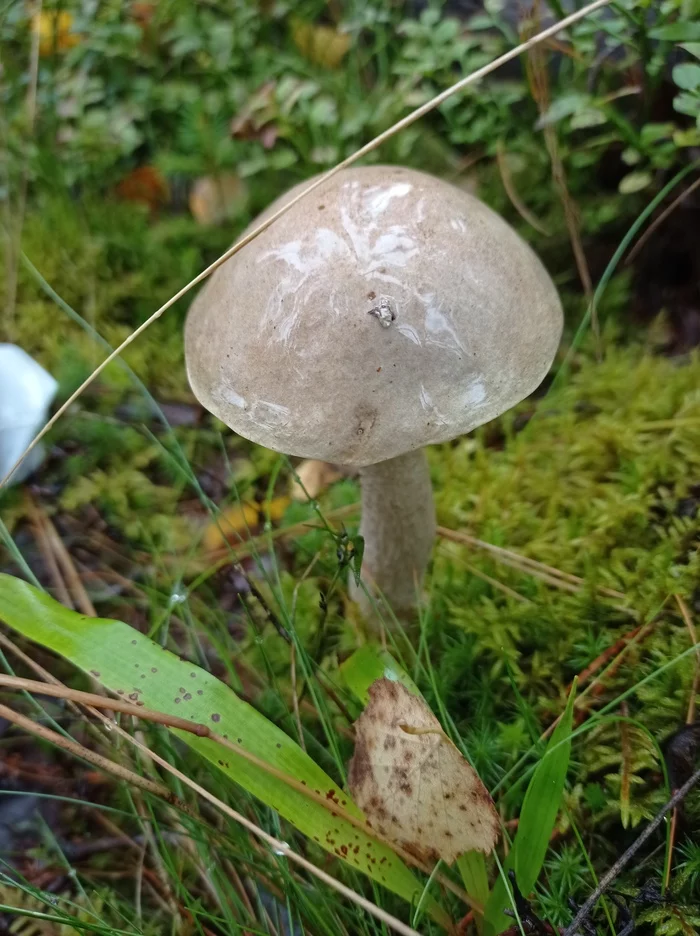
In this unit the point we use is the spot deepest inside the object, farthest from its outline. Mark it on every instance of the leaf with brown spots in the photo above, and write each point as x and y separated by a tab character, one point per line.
120	654
412	783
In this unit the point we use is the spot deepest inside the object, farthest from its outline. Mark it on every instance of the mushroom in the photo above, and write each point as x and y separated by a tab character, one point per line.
387	311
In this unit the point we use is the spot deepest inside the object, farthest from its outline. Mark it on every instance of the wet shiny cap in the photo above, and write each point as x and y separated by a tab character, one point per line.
386	311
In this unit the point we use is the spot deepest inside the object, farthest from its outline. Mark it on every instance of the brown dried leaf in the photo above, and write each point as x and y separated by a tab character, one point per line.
144	185
412	783
217	198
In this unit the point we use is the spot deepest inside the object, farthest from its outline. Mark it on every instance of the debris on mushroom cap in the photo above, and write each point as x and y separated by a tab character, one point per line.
385	311
412	783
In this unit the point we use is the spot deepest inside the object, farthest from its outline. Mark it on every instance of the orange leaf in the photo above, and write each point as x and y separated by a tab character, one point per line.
146	186
233	525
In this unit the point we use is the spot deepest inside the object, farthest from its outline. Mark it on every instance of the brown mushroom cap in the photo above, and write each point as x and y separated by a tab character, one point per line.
386	311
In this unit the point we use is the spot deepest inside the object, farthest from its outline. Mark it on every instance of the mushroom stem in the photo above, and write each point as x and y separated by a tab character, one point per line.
398	526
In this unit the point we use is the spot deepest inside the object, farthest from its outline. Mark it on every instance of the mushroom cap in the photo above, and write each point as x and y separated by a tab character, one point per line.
385	311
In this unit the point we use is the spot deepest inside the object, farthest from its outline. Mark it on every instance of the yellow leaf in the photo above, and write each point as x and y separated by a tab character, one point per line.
275	508
55	31
233	524
321	45
413	784
313	477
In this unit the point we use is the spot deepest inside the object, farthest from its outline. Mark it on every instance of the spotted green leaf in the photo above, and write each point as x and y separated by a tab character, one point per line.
135	667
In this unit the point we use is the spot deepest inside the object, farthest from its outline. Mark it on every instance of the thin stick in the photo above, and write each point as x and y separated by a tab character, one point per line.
65	561
512	193
78	750
660	220
685	613
363	151
59	691
539	87
626	857
511	592
36	520
510	557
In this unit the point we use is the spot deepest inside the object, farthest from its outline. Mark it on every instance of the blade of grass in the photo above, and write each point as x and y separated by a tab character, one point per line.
610	270
537	817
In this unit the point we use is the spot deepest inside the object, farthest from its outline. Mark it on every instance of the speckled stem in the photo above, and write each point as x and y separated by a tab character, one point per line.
398	524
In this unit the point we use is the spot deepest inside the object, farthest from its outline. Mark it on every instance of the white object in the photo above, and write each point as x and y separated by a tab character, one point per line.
26	392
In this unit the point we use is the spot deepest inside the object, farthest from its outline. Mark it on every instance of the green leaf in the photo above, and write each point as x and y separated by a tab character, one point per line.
542	801
472	867
537	818
367	665
680	31
634	182
687	76
564	106
687	103
128	663
358	551
693	48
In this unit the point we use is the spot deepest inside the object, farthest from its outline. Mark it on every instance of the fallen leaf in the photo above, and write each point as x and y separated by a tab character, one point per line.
146	186
412	783
275	508
55	32
312	477
214	199
321	45
233	524
254	121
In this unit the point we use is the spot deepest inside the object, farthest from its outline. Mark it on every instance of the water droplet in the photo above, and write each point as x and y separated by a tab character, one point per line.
177	598
282	849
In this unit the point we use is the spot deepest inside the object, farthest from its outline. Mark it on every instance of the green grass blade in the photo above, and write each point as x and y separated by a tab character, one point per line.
542	802
537	818
127	662
368	664
472	867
